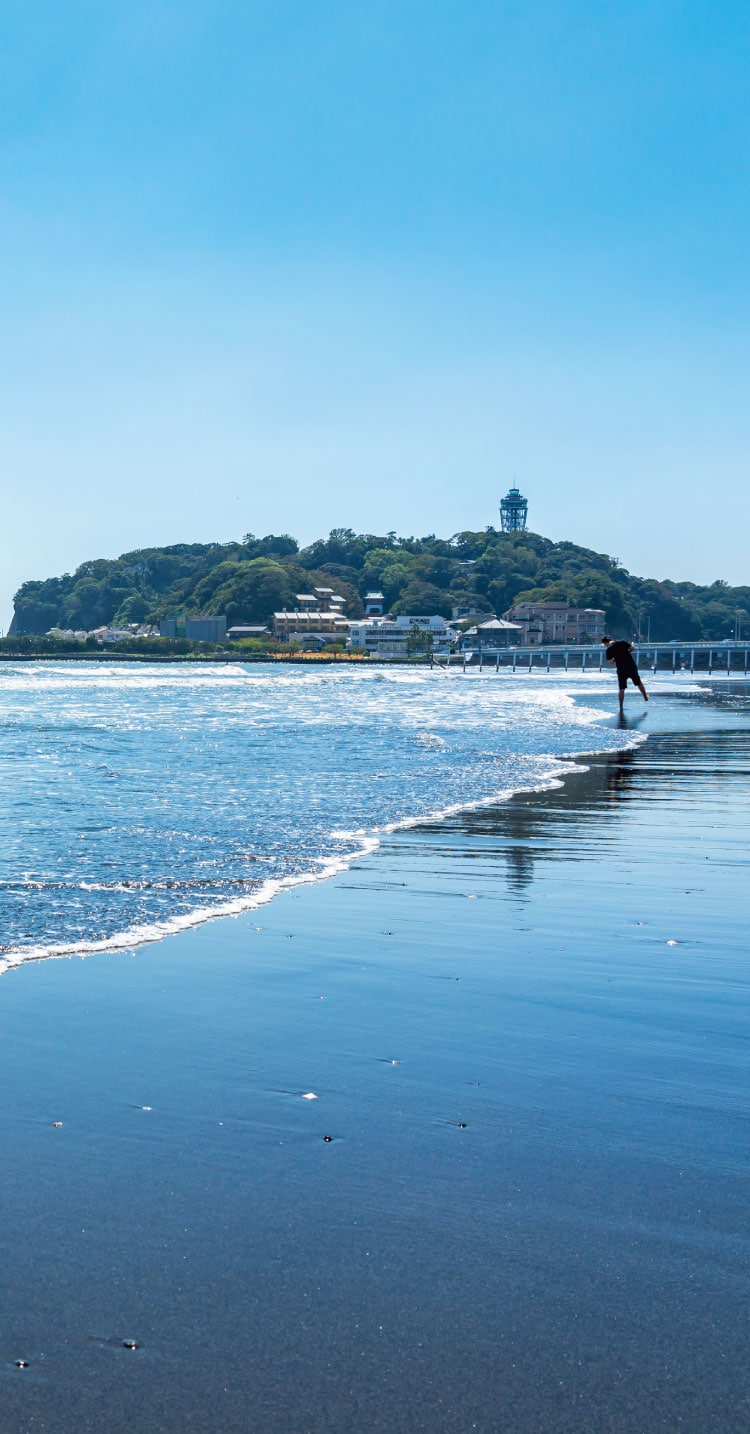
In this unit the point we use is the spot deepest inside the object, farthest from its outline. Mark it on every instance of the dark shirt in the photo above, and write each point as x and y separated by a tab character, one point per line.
619	653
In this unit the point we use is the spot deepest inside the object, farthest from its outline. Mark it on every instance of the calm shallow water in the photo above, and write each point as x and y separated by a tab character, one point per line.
137	800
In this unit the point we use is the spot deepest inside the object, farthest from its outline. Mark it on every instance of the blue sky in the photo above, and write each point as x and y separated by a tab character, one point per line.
285	266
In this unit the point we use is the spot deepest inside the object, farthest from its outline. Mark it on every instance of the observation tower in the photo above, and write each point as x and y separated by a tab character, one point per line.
513	511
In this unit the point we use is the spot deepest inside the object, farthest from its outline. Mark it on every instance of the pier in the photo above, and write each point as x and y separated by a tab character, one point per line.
705	657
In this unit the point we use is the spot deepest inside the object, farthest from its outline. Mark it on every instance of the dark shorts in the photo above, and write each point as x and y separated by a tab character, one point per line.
627	670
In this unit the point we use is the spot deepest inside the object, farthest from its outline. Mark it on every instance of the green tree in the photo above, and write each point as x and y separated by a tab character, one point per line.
253	591
417	575
423	600
420	640
134	609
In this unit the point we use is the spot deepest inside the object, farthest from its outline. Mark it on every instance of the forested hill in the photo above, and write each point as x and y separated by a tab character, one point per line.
486	571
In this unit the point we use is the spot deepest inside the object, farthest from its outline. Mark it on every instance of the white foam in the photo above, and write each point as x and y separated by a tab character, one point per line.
147	933
13	956
228	698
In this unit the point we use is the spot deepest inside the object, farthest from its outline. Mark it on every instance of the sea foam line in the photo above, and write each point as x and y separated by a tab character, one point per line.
14	956
561	766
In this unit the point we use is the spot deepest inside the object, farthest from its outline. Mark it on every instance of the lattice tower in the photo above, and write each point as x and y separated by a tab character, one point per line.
514	510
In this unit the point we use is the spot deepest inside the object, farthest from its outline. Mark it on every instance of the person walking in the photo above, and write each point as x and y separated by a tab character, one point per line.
621	653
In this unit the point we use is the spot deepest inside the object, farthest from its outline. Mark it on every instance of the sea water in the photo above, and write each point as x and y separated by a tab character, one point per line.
137	799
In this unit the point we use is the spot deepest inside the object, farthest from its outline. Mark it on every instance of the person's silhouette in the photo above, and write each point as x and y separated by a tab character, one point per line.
621	653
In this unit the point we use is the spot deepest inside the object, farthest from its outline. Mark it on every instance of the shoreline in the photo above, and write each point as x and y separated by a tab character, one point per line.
179	657
561	769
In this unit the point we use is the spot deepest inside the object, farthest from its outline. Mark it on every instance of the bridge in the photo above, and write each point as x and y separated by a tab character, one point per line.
707	657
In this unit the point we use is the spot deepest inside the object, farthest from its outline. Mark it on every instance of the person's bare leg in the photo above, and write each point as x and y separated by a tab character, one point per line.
622	700
642	690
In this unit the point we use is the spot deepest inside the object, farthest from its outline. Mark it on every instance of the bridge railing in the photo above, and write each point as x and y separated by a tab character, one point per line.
710	657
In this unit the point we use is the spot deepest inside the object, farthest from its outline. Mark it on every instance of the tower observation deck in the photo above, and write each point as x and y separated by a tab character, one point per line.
513	511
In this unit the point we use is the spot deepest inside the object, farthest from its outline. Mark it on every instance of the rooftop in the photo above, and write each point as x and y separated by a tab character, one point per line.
308	612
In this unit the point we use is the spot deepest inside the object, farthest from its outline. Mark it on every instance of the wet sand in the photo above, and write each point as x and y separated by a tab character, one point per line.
531	1214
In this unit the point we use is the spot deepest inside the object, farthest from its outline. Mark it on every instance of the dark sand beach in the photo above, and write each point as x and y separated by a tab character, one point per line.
527	1029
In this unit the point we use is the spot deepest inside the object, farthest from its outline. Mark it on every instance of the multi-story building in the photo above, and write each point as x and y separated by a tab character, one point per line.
389	637
320	598
319	613
555	622
327	598
310	620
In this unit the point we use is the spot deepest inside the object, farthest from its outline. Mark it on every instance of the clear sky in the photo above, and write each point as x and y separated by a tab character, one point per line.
278	265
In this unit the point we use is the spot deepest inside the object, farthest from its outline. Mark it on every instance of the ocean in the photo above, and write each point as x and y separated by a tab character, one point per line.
138	800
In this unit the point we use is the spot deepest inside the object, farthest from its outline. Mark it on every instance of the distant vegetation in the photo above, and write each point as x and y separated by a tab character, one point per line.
487	571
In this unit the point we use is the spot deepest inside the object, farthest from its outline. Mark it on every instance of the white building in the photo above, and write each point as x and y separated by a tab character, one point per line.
389	637
112	634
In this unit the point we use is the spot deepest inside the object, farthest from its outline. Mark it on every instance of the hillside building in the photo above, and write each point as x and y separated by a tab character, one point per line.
555	622
319	598
306	620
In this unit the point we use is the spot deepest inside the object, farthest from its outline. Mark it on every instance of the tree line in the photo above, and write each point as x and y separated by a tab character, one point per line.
486	572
